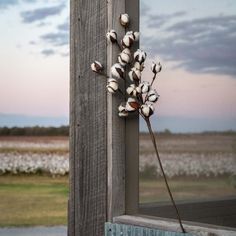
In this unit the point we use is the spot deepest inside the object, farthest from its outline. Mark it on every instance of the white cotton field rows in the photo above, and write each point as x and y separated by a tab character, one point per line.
190	156
190	164
174	164
22	157
31	163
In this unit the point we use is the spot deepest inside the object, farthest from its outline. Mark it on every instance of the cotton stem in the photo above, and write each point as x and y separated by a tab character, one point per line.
163	172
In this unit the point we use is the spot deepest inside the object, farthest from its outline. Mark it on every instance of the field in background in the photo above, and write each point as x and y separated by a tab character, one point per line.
199	166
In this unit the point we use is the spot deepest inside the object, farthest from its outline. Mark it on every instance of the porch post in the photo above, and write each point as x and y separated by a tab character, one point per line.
99	154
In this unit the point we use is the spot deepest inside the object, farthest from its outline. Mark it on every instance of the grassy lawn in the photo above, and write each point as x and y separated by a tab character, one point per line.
188	188
33	200
42	200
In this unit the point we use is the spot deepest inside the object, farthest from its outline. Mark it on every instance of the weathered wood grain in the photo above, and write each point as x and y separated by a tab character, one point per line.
123	134
132	132
88	117
115	124
101	143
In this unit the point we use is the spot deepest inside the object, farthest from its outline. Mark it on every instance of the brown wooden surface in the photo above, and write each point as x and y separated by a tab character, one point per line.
132	131
115	124
98	137
88	142
123	134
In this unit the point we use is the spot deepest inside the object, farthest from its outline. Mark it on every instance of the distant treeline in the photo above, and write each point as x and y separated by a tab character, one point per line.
35	131
64	131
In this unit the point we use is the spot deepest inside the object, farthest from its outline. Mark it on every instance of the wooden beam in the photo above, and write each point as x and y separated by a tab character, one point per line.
115	124
123	134
132	132
103	147
88	119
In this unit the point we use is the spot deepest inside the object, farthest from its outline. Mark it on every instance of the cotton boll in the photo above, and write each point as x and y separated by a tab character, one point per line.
144	86
147	110
140	56
153	96
136	36
124	57
135	74
139	66
112	85
156	67
96	66
117	71
124	19
132	90
127	41
112	36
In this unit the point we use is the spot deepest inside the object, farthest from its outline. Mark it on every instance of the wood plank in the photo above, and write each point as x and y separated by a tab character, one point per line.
123	135
132	131
115	124
88	177
98	137
73	48
171	225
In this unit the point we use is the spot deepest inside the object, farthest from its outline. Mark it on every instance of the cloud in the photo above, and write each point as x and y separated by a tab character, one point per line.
64	26
41	13
161	19
6	3
204	45
60	37
144	9
48	52
32	42
56	39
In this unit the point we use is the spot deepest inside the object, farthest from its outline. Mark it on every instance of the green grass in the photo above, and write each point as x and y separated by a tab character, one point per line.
33	200
29	200
187	188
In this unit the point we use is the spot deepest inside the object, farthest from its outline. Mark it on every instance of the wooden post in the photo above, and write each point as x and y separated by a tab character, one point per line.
103	147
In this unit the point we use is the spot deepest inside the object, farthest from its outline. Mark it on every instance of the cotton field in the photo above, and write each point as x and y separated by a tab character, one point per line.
182	155
33	155
191	155
31	163
191	164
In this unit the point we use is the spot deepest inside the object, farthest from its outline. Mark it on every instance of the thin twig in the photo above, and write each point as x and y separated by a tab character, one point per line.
118	46
102	73
120	91
163	172
154	77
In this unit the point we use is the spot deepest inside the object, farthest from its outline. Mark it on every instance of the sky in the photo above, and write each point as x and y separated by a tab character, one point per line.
194	40
34	71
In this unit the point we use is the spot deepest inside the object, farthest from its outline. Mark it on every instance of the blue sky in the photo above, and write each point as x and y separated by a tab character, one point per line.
194	40
35	58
